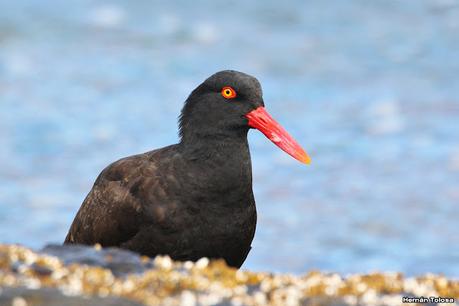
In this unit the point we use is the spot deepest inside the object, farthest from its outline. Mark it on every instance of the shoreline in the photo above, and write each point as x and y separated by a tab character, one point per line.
111	275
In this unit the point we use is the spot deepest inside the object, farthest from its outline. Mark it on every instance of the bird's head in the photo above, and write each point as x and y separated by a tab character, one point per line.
231	102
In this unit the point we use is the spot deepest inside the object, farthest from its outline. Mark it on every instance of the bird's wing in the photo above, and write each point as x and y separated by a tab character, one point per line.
112	212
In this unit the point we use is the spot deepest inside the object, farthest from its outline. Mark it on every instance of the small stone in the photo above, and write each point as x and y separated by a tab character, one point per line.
187	298
350	299
202	263
19	301
188	265
260	298
163	262
241	276
41	270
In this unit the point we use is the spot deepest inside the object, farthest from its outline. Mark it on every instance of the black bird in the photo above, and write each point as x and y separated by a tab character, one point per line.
193	199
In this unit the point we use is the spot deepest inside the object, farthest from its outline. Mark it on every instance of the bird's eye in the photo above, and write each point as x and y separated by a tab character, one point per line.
228	92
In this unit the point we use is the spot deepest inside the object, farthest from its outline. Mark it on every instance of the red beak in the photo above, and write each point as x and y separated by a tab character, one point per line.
262	121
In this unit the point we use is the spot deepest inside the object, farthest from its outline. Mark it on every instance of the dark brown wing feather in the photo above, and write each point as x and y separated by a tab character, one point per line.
112	214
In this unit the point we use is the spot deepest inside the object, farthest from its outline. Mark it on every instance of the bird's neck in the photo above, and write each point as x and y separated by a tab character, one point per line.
205	147
224	162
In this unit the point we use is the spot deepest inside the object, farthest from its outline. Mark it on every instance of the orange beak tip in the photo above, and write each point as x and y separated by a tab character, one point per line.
305	159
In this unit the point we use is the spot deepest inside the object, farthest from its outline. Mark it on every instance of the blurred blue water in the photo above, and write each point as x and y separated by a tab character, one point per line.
370	88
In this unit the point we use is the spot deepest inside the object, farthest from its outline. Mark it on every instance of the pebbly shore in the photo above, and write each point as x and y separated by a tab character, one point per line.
79	275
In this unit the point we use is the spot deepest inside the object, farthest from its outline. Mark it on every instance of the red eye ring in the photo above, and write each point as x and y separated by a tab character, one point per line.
228	92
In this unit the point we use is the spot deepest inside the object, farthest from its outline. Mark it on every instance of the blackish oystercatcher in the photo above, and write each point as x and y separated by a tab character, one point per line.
193	199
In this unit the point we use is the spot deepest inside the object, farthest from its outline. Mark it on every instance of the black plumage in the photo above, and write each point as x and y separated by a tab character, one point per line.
189	200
